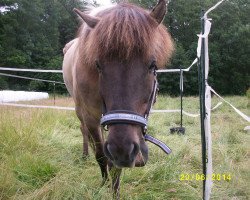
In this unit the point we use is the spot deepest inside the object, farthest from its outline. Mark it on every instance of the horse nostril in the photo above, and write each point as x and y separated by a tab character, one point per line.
107	151
134	151
122	157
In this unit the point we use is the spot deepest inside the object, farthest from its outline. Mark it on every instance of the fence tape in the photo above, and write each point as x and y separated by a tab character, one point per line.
72	108
176	111
29	70
181	81
237	110
177	70
29	78
207	29
37	106
208	138
212	8
215	107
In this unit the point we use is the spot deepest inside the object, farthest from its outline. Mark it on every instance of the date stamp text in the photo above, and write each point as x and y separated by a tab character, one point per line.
202	177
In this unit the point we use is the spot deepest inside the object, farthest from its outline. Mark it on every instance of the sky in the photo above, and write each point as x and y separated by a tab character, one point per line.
103	2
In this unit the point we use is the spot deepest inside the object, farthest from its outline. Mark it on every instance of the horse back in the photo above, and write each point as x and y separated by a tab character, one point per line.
69	64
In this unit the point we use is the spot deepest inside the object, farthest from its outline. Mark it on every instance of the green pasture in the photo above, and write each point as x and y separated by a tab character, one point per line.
40	156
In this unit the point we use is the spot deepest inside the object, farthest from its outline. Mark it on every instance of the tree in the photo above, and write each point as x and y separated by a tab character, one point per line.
33	34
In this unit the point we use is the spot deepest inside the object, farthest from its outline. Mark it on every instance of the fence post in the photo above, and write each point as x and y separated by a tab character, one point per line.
181	93
201	78
180	129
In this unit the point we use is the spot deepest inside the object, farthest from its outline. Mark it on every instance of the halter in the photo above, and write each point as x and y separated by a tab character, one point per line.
130	117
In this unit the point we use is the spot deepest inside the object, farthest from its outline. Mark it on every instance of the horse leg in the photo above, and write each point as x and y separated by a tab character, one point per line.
96	139
85	134
115	174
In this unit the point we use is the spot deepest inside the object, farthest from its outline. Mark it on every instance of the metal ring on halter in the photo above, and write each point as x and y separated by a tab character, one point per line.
123	116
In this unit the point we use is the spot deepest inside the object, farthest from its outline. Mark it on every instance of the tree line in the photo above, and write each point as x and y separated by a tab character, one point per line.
33	34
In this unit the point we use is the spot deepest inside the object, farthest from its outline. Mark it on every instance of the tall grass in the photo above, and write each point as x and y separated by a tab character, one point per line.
40	156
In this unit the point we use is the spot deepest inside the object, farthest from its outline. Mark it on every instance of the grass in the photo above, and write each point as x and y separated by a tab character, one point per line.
40	155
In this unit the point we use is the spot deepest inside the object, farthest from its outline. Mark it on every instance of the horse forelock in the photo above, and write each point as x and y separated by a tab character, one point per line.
124	32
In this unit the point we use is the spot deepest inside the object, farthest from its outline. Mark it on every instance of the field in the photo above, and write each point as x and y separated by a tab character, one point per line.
40	156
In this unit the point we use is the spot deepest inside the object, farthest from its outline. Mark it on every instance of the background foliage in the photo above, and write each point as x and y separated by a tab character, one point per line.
33	34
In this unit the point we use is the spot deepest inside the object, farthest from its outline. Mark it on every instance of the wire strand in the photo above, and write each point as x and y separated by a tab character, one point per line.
29	78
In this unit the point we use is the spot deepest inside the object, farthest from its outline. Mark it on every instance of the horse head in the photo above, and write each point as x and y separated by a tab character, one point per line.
126	44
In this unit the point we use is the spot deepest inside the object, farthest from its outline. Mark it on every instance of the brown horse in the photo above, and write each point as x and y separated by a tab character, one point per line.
109	70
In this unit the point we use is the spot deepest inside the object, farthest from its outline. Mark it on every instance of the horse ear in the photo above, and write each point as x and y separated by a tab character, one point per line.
159	11
90	20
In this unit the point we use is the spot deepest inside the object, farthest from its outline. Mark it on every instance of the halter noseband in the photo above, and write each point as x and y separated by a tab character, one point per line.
123	116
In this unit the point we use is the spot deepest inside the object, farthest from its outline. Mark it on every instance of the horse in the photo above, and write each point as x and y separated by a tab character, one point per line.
110	71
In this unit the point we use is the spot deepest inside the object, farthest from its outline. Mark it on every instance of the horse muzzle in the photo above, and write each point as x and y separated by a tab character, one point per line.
125	146
134	158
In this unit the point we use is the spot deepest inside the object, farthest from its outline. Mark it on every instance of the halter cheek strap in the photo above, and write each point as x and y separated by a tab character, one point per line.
158	143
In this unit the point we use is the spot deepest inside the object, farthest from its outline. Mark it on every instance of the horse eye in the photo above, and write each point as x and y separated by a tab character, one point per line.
153	67
98	66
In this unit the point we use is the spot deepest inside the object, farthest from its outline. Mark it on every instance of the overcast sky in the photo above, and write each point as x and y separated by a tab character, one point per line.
104	2
101	2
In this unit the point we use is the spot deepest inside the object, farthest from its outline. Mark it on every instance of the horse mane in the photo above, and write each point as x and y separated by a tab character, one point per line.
124	32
